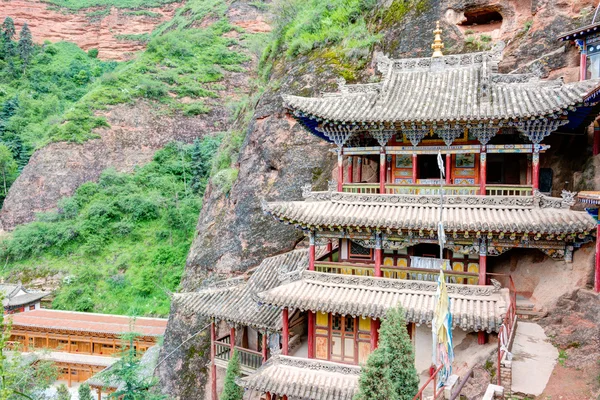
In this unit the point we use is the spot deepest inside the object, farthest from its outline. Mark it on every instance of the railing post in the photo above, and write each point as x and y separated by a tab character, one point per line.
285	332
213	367
482	171
382	162
340	180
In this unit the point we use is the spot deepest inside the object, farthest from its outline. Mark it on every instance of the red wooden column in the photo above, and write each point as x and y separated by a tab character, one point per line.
340	183
329	250
597	277
311	334
482	171
596	148
535	166
350	171
382	168
414	169
232	339
359	161
448	169
285	332
378	255
311	251
268	395
213	367
482	336
582	59
264	346
375	323
388	174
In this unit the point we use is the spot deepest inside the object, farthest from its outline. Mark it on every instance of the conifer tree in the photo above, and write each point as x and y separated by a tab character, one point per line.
231	391
62	393
392	364
8	34
374	383
25	45
85	392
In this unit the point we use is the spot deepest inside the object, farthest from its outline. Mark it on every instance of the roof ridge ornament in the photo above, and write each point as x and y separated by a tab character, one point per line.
438	44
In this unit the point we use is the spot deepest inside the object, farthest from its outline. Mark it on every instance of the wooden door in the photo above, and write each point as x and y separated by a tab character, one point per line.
343	339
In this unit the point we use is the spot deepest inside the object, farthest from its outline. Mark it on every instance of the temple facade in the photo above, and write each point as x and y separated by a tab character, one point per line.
304	322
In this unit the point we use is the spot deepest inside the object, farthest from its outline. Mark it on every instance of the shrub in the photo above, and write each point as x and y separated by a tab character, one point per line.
92	53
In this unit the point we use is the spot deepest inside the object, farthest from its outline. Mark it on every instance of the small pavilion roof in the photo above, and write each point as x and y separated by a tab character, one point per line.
516	214
15	295
473	307
581	32
463	88
233	299
304	379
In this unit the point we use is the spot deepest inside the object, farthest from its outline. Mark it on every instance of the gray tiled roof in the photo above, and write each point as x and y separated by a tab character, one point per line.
580	32
452	88
519	214
473	307
233	299
304	379
11	297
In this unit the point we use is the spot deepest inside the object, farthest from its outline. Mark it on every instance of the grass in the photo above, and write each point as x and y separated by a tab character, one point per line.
81	4
562	357
120	245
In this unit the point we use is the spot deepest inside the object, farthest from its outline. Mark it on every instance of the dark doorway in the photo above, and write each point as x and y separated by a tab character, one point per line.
428	167
505	168
427	250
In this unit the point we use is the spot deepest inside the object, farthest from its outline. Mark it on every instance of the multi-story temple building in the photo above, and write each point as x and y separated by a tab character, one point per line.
305	321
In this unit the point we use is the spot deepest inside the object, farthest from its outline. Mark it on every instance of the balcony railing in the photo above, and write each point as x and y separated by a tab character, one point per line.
454	190
420	274
250	360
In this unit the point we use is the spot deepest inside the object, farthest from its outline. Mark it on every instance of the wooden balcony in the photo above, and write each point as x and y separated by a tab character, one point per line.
420	274
452	190
250	360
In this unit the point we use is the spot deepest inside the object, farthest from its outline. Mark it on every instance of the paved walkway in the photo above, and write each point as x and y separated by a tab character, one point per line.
534	358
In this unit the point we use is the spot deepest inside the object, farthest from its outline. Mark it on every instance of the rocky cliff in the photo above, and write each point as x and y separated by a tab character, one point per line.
110	30
278	156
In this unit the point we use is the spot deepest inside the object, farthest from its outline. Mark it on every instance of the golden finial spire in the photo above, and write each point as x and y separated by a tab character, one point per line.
437	45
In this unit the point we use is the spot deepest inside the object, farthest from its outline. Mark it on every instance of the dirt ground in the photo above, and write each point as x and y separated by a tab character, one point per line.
570	383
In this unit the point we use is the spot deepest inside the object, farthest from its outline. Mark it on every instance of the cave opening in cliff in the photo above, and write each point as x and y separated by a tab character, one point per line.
481	20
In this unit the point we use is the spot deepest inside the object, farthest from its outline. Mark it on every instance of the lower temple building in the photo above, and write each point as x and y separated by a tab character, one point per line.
304	322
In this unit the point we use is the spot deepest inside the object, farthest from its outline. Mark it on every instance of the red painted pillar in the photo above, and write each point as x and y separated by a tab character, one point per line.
329	250
378	256
311	251
597	278
535	165
350	171
232	339
264	346
482	171
448	169
285	332
375	323
596	147
414	169
213	367
583	61
382	168
482	336
388	175
360	161
340	182
311	334
268	395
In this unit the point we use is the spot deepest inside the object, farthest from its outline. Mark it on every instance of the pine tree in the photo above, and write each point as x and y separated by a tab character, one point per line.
231	390
374	383
25	45
8	35
62	393
390	372
395	342
84	392
8	169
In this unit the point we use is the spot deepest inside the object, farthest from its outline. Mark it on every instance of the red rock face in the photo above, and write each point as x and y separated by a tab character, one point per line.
100	33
